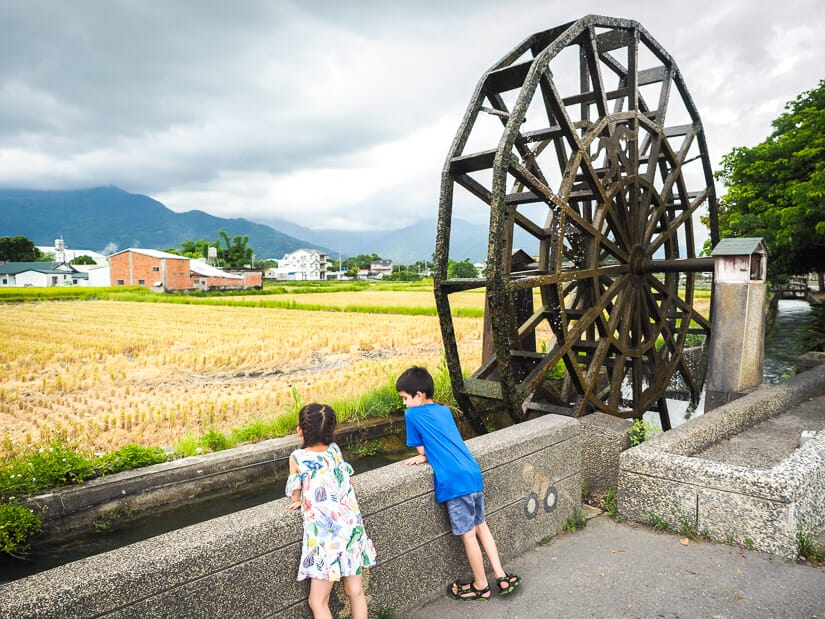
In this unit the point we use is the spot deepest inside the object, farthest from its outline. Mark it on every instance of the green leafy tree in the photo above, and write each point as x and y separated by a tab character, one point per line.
196	249
776	190
83	259
461	269
234	252
19	249
353	264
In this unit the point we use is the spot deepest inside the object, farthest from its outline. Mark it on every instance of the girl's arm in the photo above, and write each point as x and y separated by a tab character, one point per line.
296	494
421	458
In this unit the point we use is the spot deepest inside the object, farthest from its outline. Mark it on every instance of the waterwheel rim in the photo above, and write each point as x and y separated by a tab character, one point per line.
620	205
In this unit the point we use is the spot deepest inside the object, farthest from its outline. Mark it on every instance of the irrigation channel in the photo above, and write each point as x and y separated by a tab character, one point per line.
782	349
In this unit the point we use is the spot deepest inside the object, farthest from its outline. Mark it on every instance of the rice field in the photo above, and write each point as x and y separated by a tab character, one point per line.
107	373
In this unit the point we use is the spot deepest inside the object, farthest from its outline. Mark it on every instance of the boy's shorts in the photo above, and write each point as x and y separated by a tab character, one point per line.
466	512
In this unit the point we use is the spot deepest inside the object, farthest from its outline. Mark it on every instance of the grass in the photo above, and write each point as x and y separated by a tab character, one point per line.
577	520
806	547
610	504
686	527
657	522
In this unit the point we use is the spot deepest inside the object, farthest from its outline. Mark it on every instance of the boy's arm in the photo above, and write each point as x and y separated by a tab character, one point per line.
421	458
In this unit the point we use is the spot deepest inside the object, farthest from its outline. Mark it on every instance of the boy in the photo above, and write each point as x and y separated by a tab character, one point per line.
432	431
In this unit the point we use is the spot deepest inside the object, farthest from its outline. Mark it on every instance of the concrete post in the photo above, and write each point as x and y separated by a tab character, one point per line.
737	342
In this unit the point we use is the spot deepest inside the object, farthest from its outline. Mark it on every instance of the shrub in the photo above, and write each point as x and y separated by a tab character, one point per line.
214	441
131	456
641	431
49	466
18	524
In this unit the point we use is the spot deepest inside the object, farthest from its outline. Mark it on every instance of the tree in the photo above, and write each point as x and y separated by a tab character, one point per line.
776	190
19	249
461	269
196	249
83	259
234	252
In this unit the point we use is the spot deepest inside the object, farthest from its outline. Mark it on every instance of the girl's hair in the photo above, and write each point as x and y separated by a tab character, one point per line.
317	422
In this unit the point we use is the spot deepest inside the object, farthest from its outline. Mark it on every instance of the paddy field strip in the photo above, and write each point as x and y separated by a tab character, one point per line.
107	373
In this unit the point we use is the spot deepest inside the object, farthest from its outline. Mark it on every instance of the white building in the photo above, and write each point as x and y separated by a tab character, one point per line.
300	264
70	254
380	268
40	275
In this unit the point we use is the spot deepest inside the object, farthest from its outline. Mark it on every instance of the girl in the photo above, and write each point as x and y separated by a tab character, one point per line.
335	545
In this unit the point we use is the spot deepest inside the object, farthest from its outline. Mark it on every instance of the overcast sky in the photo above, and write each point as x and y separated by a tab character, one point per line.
331	114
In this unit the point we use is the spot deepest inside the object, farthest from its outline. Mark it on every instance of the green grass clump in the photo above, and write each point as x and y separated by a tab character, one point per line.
575	521
657	522
55	463
641	431
132	456
610	503
18	524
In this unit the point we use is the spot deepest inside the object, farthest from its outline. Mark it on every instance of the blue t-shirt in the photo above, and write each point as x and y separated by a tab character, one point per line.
456	472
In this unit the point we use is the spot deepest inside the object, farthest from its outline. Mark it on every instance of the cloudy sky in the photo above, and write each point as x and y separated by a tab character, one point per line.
331	114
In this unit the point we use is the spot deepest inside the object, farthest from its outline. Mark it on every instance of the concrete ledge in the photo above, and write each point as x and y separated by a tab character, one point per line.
604	439
762	508
72	511
244	564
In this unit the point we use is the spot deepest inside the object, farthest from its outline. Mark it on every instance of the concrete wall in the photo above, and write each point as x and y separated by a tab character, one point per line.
244	564
764	508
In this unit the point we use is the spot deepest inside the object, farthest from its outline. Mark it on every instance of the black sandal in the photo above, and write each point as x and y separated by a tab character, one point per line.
507	584
467	592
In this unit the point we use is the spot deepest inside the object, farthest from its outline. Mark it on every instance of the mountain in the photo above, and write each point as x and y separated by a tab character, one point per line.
404	245
108	219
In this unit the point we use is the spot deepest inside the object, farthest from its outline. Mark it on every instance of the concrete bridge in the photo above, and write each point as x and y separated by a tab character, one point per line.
244	564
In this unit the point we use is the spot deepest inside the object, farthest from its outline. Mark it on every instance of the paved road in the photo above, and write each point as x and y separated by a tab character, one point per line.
611	569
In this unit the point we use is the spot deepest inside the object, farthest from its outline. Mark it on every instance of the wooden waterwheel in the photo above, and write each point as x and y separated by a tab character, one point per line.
586	148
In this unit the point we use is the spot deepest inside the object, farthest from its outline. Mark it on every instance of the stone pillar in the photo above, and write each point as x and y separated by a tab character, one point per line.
738	311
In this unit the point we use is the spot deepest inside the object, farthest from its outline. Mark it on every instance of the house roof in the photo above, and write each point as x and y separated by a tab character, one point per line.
743	246
154	253
304	250
206	270
48	268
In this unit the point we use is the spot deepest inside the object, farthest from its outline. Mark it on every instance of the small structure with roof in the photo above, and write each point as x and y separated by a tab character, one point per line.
740	260
737	342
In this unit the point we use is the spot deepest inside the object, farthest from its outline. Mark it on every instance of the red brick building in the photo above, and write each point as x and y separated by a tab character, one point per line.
162	271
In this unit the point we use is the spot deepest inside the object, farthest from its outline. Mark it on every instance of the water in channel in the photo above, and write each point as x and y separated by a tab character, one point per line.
781	351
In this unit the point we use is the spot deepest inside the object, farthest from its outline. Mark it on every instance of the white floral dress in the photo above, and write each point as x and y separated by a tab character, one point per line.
335	542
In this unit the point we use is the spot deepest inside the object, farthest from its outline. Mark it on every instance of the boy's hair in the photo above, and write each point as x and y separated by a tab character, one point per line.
416	379
317	422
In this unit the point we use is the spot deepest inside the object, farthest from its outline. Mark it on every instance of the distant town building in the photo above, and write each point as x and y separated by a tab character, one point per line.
301	264
162	271
63	254
40	275
380	268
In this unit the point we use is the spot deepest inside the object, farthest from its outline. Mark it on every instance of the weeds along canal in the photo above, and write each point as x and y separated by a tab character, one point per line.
784	344
42	559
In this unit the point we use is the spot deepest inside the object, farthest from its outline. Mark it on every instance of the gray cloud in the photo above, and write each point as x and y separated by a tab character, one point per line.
323	112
